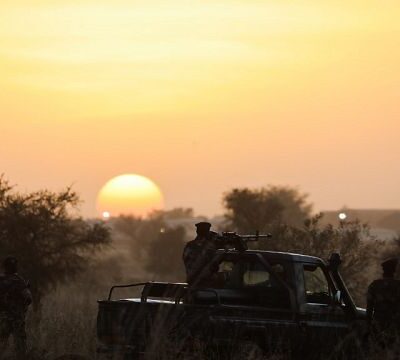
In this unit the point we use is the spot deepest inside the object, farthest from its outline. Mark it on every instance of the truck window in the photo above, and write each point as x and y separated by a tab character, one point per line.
244	274
247	281
316	285
255	275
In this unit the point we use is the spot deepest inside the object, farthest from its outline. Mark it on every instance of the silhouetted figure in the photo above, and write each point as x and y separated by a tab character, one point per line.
383	304
15	298
198	253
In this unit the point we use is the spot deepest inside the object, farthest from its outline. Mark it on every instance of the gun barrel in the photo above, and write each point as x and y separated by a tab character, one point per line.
255	237
238	242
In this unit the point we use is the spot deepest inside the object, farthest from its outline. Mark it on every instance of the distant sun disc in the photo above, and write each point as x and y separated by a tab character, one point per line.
129	194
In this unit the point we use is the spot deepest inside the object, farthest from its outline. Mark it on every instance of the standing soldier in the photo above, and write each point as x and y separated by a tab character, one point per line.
383	304
198	254
15	298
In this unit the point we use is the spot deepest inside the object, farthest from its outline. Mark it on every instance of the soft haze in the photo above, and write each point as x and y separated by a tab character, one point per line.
202	96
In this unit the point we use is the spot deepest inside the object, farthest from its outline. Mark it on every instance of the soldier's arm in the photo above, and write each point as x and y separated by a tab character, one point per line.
187	253
189	260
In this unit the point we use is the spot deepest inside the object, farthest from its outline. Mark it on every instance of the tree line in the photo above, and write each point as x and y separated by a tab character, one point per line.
55	244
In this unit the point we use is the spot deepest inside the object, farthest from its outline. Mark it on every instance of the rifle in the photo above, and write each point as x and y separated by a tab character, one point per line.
236	241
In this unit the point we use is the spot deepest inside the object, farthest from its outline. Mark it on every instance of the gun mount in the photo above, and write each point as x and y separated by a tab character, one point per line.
238	242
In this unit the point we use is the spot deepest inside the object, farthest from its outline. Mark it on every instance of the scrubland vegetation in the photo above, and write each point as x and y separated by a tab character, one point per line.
72	262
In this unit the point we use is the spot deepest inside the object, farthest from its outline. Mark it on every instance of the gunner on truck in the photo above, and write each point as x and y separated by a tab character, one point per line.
197	255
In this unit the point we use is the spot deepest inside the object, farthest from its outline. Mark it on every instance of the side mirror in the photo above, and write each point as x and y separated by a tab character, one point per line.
337	298
334	261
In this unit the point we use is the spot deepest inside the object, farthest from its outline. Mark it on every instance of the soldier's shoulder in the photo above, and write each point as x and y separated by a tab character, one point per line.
376	284
7	283
193	243
380	284
388	282
190	245
395	283
18	281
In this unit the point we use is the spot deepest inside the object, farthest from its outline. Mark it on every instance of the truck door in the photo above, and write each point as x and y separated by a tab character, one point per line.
322	319
254	302
248	282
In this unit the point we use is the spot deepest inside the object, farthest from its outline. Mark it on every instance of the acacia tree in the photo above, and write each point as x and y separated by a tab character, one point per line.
248	210
42	229
139	233
156	242
165	255
359	249
285	213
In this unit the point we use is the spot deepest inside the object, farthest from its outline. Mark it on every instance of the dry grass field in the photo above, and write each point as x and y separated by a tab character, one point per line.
68	327
68	324
68	316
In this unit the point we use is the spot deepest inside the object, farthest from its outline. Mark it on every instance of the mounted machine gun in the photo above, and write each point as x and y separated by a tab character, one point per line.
232	240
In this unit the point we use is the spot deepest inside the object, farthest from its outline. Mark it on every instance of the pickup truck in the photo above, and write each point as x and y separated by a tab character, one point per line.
274	301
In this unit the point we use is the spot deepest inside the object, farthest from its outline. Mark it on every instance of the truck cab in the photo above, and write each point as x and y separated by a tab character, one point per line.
282	300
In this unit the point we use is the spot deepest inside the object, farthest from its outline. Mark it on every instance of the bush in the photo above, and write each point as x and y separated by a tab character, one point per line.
51	242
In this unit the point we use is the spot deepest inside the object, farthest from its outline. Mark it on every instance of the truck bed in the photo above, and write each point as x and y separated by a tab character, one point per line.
134	322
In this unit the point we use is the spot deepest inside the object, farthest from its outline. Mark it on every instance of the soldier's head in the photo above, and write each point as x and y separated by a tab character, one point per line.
389	267
10	265
203	228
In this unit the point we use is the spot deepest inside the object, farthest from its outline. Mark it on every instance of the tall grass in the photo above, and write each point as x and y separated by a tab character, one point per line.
68	322
68	326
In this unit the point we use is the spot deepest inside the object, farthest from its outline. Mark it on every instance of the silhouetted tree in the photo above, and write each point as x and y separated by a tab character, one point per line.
176	213
156	242
165	255
44	232
359	249
248	210
139	233
285	213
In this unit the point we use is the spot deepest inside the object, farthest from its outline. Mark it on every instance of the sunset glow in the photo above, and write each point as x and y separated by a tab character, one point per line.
256	91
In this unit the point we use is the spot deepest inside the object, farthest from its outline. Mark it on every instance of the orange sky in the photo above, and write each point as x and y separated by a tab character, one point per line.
202	96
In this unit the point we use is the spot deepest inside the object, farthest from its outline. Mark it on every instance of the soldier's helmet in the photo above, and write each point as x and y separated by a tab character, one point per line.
389	266
10	265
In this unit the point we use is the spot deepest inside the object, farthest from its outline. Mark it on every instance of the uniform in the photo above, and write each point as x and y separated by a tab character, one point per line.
383	302
198	253
15	298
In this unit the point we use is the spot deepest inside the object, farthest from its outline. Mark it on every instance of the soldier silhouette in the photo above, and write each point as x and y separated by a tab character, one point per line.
383	304
198	254
15	298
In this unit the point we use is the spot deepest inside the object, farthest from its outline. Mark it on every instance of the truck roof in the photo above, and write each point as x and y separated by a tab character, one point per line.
277	255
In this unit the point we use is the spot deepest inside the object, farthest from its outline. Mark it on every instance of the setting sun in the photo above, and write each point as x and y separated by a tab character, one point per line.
129	194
